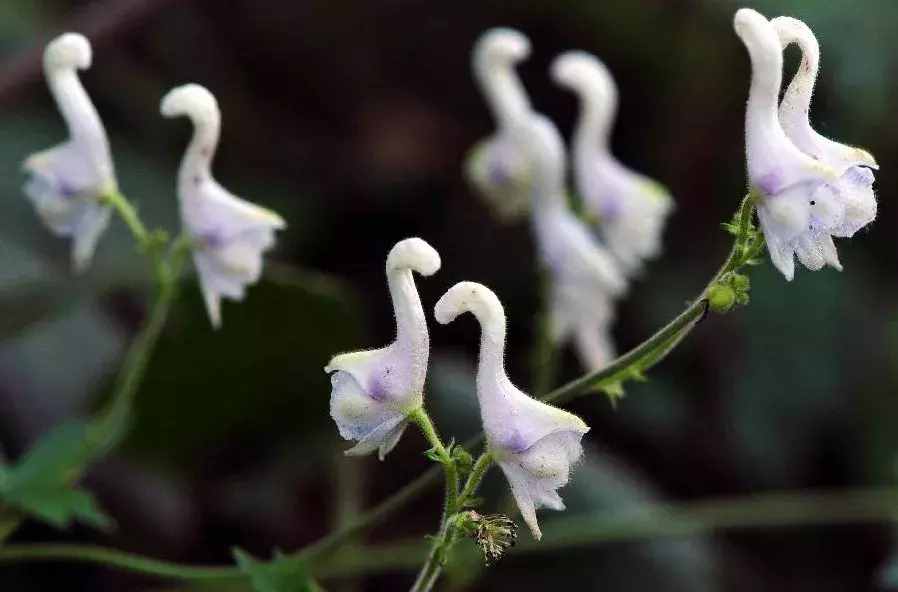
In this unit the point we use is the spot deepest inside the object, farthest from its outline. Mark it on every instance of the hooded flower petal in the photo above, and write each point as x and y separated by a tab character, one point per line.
795	107
495	166
802	202
853	164
583	276
630	209
375	390
534	443
229	233
67	182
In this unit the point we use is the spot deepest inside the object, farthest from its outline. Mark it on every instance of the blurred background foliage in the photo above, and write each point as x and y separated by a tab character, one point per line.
352	119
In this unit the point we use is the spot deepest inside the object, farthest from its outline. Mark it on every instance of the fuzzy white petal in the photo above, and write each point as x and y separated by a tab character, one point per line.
375	390
804	197
534	443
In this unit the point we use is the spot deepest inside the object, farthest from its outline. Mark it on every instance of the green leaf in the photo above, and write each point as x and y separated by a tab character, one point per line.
41	483
57	458
278	575
59	505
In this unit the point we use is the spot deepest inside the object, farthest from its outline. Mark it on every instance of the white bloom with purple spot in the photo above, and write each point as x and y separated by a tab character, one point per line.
630	209
535	444
803	201
583	277
229	234
67	183
495	166
854	163
374	391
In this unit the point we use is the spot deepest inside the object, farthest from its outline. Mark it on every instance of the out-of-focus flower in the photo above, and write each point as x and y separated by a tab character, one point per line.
535	444
495	166
67	183
802	202
374	391
630	209
583	277
229	234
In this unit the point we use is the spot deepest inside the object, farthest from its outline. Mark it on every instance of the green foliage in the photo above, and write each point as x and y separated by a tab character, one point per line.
42	483
278	575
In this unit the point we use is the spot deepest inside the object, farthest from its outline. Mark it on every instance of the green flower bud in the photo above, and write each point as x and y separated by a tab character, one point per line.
721	298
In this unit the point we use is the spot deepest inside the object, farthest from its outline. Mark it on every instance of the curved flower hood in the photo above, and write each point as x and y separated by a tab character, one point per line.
67	182
230	234
802	202
583	277
495	166
375	390
535	444
796	104
630	209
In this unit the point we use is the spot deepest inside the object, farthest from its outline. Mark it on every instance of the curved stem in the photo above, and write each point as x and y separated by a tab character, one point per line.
420	417
641	522
478	472
117	559
110	426
128	214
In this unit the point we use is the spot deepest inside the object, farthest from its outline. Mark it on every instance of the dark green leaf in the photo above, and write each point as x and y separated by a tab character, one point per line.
278	575
42	482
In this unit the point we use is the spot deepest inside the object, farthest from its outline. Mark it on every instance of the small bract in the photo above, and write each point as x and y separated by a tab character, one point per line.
374	391
535	444
67	183
229	234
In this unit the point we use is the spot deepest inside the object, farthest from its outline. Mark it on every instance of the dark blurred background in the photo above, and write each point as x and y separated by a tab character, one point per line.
352	119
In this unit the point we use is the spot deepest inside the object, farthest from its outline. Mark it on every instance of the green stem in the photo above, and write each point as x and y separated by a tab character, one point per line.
420	417
108	429
483	464
544	360
128	214
432	567
643	522
116	559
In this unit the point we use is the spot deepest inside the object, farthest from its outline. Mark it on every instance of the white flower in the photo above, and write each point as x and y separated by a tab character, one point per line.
583	277
630	209
67	182
794	117
495	166
230	234
802	202
375	390
535	444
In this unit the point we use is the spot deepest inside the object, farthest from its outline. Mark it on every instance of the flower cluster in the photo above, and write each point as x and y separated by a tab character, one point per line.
74	189
375	392
588	260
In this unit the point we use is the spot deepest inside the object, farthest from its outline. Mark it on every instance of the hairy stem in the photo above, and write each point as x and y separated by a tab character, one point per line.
128	213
